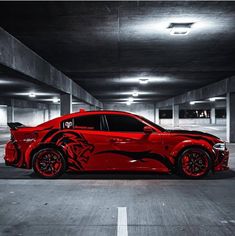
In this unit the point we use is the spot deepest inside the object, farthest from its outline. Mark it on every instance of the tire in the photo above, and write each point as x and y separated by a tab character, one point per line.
49	163
194	163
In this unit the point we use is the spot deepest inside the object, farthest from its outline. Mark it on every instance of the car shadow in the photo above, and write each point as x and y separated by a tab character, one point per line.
8	172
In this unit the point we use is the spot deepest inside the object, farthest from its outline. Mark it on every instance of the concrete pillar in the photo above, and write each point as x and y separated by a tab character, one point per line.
92	108
65	104
11	112
175	114
230	117
213	115
46	115
157	116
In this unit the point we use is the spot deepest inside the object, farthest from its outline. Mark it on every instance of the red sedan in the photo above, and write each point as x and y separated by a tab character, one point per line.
112	140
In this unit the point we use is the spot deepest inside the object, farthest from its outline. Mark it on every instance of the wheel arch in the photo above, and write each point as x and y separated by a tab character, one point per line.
204	148
40	147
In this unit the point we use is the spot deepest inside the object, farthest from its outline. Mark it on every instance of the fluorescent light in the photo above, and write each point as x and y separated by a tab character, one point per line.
32	95
129	101
143	80
180	28
180	31
135	93
6	82
212	99
192	102
55	100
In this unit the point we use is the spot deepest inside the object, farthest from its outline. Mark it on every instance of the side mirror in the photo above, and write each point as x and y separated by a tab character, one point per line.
148	130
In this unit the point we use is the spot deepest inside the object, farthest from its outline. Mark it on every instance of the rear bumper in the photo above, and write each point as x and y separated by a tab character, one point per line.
10	154
13	155
221	161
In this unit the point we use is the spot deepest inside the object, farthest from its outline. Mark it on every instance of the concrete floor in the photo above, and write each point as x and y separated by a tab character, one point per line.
87	204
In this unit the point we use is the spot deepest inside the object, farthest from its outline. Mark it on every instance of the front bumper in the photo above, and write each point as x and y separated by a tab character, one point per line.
221	160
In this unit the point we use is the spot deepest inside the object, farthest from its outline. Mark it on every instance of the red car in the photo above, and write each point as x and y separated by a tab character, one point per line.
112	140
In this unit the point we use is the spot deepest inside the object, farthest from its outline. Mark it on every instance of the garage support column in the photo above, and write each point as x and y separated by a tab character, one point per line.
230	117
213	115
156	116
46	114
11	112
92	108
175	114
65	104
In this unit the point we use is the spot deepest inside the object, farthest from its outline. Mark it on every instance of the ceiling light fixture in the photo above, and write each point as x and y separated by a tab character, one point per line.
32	95
135	93
213	99
192	102
130	101
143	80
180	28
55	100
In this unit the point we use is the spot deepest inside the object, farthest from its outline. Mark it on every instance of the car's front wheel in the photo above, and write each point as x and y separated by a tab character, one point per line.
194	163
49	163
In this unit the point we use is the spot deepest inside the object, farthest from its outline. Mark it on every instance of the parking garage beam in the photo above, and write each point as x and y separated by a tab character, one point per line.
16	56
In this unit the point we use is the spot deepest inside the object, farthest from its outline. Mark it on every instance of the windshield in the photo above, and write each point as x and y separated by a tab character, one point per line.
152	124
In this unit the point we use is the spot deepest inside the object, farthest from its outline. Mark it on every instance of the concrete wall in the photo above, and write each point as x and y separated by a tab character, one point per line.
54	111
77	107
220	121
201	121
3	115
33	116
146	110
29	116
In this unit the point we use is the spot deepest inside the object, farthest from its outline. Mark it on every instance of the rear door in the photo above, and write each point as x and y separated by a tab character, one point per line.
89	139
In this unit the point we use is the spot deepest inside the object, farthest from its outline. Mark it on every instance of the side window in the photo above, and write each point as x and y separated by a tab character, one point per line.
90	122
124	123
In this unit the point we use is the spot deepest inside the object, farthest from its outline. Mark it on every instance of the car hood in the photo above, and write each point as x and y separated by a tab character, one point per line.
195	133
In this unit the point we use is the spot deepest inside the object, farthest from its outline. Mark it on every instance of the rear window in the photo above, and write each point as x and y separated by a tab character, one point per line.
92	122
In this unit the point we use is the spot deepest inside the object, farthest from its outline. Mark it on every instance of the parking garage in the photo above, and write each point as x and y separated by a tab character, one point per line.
171	62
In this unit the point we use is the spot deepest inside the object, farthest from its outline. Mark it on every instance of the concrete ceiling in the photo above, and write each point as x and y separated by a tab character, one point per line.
15	85
106	46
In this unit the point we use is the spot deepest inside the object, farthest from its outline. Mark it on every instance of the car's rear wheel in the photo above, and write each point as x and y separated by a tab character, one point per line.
194	163
49	163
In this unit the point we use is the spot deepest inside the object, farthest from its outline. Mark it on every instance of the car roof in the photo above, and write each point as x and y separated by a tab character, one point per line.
83	112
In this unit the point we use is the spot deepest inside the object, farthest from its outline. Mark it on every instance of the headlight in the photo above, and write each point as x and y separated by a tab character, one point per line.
220	146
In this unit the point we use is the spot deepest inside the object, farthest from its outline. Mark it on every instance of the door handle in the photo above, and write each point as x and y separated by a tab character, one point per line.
114	140
120	140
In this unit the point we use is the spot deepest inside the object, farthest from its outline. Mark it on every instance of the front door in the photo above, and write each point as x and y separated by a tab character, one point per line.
129	146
